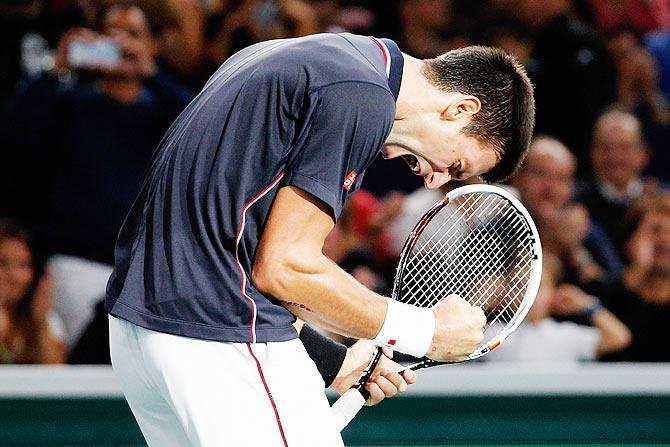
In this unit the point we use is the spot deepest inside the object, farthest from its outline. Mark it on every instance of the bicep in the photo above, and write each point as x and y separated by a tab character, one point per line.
295	231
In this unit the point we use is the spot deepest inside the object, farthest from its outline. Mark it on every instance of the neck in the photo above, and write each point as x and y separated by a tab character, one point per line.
413	97
124	90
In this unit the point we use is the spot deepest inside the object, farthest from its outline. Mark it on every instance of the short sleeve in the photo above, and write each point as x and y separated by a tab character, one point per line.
346	126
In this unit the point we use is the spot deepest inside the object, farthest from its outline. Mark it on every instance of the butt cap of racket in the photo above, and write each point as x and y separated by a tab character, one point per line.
346	407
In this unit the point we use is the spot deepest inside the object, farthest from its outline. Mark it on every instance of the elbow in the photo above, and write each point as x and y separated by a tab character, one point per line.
264	277
276	276
616	341
624	339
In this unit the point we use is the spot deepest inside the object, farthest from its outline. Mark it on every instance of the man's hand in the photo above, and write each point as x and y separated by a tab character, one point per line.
385	381
458	329
61	55
571	300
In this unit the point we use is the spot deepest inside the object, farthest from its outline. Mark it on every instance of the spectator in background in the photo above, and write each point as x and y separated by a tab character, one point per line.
359	244
16	20
30	332
637	89
545	183
618	157
92	140
641	297
657	43
572	71
183	46
540	338
506	34
411	208
641	15
252	21
77	150
425	27
334	17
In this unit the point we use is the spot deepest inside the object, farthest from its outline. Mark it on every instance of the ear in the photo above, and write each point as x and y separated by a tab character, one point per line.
463	107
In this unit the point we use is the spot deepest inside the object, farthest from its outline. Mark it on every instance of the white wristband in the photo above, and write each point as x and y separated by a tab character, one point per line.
407	328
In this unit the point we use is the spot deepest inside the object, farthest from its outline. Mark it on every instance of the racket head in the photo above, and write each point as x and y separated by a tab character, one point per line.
480	243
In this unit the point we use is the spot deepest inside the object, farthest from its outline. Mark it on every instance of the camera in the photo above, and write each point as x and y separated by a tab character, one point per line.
98	53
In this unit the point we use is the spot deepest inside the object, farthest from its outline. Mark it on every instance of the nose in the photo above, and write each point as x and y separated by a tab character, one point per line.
436	179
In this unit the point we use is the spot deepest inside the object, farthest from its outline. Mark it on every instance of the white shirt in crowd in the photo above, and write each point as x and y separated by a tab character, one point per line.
548	341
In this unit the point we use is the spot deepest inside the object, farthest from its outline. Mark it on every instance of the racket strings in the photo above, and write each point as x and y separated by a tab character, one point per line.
425	245
517	296
440	250
429	244
469	274
477	248
508	257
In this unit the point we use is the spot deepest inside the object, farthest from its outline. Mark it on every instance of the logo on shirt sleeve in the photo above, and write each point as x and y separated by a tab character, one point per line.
349	180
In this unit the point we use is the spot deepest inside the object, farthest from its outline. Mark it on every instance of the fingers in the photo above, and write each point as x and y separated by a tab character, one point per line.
385	381
387	384
409	376
479	316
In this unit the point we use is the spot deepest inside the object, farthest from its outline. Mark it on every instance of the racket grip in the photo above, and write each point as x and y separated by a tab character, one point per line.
347	406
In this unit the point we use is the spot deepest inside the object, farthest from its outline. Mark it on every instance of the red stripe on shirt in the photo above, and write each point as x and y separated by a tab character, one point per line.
238	237
267	390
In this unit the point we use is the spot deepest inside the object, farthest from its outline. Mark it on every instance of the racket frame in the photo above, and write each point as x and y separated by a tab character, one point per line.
344	416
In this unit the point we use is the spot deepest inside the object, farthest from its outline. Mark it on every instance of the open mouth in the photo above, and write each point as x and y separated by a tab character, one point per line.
412	162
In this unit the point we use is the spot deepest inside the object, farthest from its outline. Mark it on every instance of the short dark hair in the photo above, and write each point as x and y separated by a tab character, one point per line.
507	115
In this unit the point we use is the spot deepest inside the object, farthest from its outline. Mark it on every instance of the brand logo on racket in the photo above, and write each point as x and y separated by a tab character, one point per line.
349	180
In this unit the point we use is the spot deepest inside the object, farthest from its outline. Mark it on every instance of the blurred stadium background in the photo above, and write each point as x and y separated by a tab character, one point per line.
589	367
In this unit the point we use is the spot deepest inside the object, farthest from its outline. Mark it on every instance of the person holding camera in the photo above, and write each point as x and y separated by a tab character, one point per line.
77	140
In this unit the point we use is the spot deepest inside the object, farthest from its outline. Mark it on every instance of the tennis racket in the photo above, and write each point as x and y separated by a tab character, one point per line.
479	243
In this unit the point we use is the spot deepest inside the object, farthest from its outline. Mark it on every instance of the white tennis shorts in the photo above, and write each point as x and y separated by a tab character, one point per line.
188	392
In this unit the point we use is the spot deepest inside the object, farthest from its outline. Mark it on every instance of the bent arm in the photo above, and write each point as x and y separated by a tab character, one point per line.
614	334
291	267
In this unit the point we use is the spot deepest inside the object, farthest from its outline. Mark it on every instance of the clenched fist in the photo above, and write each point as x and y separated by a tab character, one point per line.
458	329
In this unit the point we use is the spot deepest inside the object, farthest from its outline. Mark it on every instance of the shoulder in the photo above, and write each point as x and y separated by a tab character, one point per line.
330	58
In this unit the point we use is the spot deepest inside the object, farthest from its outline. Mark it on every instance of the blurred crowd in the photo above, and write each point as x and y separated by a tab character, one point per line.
88	88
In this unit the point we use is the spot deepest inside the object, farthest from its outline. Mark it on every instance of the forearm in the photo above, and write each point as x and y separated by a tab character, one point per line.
291	267
323	293
614	335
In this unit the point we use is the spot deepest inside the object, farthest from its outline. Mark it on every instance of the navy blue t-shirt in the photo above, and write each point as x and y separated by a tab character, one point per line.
311	112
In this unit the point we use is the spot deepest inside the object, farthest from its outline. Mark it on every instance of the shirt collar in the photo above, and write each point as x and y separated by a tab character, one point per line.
394	63
610	192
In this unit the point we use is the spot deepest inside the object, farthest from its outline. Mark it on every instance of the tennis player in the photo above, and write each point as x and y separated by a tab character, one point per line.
222	248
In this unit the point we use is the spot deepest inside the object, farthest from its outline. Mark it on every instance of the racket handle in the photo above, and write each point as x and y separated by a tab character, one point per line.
347	406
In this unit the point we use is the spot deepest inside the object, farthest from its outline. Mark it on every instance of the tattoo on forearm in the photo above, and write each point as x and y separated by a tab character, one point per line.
301	306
